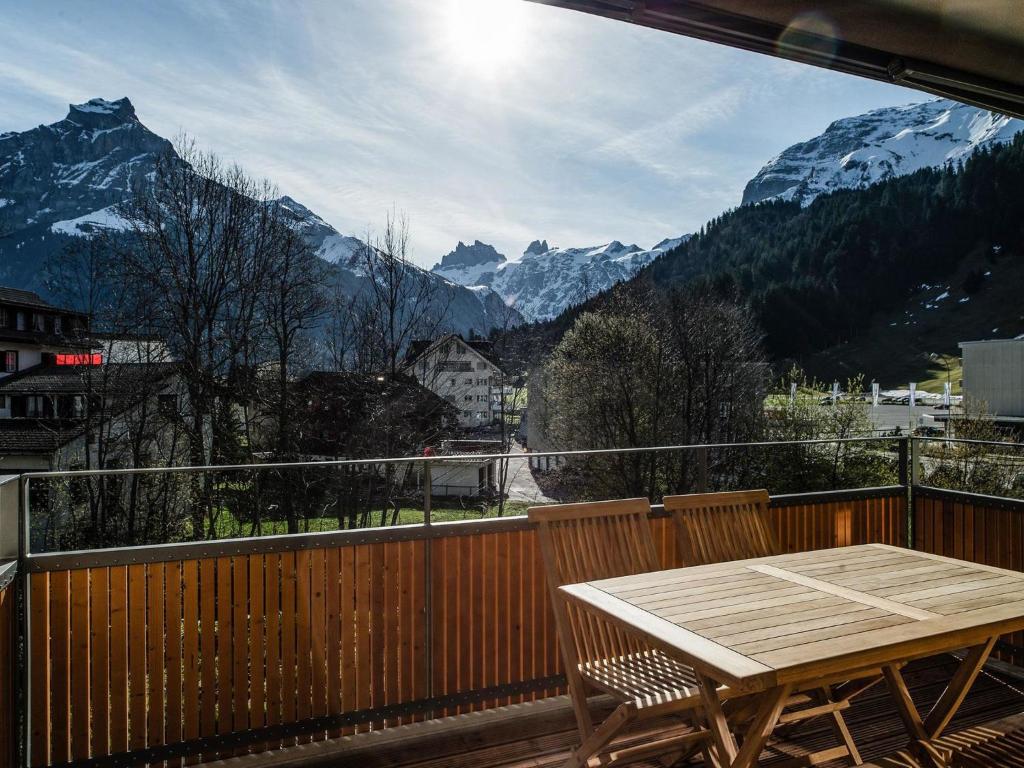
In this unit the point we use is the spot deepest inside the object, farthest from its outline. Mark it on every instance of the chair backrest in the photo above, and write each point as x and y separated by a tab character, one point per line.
718	527
595	540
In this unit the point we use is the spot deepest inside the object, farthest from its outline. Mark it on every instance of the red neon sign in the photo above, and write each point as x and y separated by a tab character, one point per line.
80	359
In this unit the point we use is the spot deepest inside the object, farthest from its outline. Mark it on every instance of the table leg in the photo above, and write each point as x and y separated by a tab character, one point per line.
923	733
721	737
769	708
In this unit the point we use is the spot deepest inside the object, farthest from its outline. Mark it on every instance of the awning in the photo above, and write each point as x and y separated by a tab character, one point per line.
968	50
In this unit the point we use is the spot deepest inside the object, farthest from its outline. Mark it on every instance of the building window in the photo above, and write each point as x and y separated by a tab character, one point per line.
5	317
168	404
57	329
469	380
21	322
78	407
452	382
453	365
468	398
39	322
34	406
10	361
481	398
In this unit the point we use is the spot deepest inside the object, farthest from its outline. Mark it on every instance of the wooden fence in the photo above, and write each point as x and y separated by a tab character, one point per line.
970	526
172	653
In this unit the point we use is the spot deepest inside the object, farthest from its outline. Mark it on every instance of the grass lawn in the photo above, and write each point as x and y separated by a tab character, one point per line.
937	370
228	526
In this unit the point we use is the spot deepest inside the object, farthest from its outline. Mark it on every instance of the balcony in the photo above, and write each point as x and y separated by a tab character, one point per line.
426	644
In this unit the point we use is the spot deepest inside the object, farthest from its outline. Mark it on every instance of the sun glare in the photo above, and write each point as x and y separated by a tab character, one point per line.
485	36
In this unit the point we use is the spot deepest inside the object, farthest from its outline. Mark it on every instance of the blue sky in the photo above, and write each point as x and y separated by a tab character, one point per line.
497	120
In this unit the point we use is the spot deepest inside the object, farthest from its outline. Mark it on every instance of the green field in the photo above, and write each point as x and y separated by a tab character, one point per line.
227	526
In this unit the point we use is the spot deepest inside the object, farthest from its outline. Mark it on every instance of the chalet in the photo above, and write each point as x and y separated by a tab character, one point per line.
464	372
66	414
31	328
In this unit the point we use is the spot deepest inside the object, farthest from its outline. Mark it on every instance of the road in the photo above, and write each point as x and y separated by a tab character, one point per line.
888	417
521	485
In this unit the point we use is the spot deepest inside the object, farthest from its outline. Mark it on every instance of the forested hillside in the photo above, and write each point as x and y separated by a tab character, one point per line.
818	276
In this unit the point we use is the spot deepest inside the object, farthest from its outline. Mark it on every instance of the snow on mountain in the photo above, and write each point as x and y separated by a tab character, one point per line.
545	281
105	219
469	265
861	150
66	180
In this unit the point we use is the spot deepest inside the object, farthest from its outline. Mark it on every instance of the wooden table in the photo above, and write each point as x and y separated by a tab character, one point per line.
774	625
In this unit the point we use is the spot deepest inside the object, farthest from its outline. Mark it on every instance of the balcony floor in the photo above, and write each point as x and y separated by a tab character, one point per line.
541	734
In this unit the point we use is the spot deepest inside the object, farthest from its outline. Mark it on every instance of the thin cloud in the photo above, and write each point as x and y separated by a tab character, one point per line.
592	130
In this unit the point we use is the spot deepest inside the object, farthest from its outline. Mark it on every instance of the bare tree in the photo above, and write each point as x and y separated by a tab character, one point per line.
403	302
202	243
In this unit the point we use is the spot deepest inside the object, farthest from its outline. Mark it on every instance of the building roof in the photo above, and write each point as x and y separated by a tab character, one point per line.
362	384
46	378
37	436
30	300
483	347
963	344
967	50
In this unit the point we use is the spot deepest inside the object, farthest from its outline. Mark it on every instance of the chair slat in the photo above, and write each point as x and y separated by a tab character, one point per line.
719	527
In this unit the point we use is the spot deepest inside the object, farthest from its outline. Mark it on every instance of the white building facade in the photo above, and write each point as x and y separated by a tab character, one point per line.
465	373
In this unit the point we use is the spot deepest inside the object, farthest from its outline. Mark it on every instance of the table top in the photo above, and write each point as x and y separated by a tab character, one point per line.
755	624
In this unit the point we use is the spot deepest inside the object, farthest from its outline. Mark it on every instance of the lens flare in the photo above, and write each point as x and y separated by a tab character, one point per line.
809	37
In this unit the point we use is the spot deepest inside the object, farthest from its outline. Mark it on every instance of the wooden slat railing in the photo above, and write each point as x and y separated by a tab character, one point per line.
974	527
346	632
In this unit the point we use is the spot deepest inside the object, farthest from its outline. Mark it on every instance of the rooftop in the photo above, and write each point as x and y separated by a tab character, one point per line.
28	299
110	378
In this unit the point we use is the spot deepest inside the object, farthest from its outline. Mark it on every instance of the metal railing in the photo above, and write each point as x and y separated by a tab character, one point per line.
905	513
18	493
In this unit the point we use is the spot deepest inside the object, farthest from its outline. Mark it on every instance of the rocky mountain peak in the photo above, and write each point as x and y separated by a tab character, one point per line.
100	113
537	247
471	256
861	150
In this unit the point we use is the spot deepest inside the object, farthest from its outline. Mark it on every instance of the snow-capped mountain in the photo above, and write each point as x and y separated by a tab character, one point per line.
861	150
545	281
65	181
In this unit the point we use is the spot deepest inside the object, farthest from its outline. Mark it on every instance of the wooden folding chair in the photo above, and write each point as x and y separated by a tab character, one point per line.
719	527
600	540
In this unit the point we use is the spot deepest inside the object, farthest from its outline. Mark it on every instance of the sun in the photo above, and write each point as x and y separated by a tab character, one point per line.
485	36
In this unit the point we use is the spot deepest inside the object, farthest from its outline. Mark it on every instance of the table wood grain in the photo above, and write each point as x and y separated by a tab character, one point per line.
790	619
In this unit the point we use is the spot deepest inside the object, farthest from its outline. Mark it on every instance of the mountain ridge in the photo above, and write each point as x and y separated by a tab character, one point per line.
545	281
65	180
861	150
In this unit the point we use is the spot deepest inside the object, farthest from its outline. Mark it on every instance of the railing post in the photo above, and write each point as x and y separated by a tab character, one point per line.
915	461
904	477
24	695
10	526
428	489
428	582
915	480
702	470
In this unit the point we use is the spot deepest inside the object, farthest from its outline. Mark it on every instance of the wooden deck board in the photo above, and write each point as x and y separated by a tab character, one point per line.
541	734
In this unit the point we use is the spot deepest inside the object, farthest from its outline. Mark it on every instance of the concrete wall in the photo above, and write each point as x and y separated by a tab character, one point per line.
994	374
8	517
